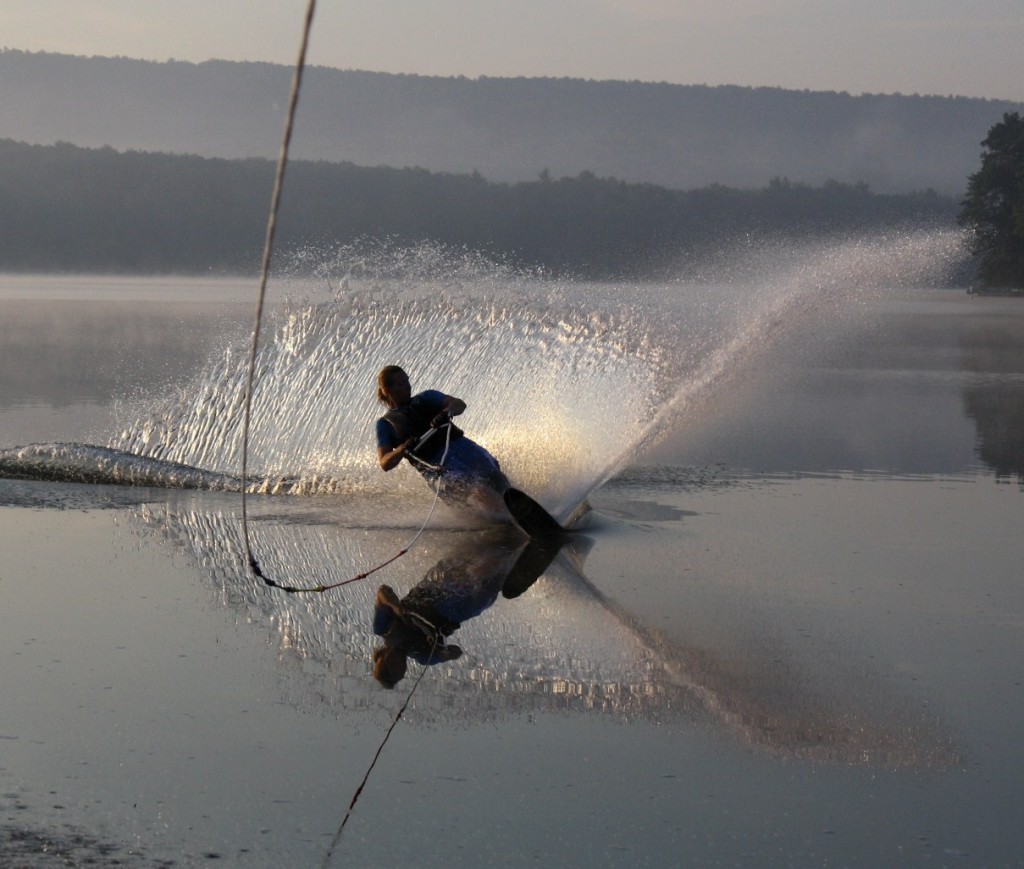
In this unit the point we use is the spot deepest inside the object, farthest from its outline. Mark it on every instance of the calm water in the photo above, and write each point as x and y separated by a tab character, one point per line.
790	631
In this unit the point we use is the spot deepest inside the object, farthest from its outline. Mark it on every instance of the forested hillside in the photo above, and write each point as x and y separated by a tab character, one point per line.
66	208
675	136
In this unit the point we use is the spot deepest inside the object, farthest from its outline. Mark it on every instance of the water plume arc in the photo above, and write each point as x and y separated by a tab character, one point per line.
565	382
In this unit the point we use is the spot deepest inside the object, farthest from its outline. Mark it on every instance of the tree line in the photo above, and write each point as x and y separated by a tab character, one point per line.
68	208
994	207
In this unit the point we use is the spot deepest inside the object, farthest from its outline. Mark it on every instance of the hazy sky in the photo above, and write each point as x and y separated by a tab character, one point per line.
962	47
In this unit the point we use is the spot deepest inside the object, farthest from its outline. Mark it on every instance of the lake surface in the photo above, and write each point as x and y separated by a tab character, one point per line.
788	633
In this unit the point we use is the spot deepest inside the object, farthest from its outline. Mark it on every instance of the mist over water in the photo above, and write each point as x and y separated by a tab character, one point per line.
565	382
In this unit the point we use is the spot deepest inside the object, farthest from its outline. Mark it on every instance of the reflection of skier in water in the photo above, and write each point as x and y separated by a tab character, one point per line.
410	630
467	465
456	589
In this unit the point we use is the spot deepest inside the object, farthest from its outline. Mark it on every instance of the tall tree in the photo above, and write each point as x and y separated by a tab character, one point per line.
994	206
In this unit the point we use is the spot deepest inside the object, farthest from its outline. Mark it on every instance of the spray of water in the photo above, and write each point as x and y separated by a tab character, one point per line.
769	294
565	382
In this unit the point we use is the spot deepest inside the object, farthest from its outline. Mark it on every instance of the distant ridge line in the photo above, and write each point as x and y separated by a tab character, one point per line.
681	136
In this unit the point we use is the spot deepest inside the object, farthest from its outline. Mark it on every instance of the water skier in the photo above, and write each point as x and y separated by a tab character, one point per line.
468	471
465	472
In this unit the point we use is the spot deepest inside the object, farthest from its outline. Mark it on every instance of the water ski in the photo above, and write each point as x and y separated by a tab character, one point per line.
531	518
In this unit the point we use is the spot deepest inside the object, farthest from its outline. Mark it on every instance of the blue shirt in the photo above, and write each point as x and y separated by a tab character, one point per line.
432	400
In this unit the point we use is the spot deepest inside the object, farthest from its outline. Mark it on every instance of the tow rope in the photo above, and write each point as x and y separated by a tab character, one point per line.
293	589
268	247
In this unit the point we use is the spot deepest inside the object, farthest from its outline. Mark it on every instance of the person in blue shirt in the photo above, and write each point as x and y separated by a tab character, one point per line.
464	469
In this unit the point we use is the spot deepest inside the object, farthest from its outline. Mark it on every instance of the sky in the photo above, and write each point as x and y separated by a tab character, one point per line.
935	47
